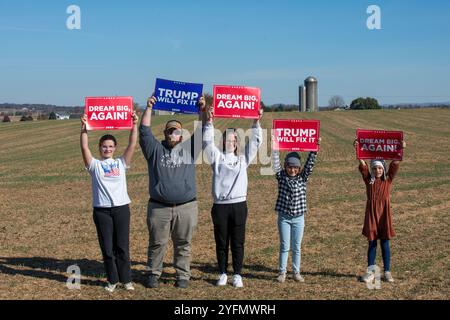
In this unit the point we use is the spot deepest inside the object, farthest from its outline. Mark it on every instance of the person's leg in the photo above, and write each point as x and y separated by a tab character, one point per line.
372	253
121	219
158	221
104	225
183	227
284	231
219	215
298	225
237	234
386	253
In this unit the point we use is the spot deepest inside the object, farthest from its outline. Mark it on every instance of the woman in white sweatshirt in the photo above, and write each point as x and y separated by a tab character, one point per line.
229	190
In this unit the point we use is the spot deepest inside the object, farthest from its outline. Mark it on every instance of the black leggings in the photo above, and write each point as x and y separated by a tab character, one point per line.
113	230
229	228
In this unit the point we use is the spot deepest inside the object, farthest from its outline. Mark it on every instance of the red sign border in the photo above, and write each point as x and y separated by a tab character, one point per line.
235	116
298	149
90	128
378	158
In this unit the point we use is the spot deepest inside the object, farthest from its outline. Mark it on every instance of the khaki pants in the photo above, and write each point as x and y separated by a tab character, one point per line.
178	223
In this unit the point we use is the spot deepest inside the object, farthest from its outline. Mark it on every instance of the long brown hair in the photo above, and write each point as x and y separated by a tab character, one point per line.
224	140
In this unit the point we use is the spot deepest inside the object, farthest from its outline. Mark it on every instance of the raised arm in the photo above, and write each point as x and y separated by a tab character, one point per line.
146	139
147	116
208	135
309	165
276	166
362	163
394	166
363	168
132	141
251	149
202	110
84	143
195	141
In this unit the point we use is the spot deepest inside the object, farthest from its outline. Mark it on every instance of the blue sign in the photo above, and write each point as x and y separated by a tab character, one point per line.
176	96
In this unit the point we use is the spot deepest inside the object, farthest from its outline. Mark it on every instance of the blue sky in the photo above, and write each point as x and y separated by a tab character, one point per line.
124	45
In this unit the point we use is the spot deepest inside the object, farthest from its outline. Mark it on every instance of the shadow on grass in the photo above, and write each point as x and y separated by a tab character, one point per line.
54	269
262	272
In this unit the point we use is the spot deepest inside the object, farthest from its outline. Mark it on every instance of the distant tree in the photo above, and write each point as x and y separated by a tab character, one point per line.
336	102
279	108
6	118
52	116
26	118
364	103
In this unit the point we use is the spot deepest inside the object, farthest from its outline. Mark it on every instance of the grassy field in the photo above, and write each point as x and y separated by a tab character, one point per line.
46	217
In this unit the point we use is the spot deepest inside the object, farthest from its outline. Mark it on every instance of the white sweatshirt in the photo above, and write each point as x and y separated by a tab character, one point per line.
229	183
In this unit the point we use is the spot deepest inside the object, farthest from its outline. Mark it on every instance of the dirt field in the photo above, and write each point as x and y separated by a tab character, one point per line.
46	217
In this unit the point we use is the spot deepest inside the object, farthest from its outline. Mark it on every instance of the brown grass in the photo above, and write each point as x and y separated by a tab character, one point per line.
46	220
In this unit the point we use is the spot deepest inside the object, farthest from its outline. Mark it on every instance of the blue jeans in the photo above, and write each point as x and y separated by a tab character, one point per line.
385	252
291	234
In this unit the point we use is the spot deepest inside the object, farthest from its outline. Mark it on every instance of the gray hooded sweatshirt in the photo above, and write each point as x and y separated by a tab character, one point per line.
171	170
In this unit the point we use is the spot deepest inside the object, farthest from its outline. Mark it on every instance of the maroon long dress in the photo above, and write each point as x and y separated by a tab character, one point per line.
378	218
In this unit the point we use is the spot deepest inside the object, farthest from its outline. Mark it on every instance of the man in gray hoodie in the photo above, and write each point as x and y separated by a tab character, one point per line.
172	208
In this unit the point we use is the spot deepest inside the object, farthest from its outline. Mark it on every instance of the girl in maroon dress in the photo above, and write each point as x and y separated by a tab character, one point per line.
378	216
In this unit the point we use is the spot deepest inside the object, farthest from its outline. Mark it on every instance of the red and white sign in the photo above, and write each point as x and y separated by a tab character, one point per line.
236	102
379	144
296	135
109	113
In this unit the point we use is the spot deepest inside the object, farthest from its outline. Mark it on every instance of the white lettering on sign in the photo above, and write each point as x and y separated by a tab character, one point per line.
109	116
108	108
236	104
379	147
296	132
177	94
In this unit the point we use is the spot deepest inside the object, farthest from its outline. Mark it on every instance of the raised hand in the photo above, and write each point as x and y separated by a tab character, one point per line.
83	122
202	104
135	118
151	102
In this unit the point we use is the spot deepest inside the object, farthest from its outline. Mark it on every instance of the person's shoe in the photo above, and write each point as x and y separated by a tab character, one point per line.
222	281
152	281
298	277
129	286
182	283
388	277
237	281
368	277
281	277
110	287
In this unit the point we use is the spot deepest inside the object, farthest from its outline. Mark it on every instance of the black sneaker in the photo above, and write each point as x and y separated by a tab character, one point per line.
152	281
182	283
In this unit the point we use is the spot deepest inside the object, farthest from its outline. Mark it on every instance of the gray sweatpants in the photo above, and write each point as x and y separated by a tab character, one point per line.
178	223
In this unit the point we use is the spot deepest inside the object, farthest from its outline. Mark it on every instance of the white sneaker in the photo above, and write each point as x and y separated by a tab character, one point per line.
111	287
281	277
223	279
237	281
129	286
298	277
368	277
388	277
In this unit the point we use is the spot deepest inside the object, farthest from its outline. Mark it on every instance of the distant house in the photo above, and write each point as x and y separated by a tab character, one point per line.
62	116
